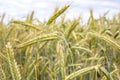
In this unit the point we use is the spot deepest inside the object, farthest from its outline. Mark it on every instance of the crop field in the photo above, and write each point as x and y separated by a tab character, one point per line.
60	49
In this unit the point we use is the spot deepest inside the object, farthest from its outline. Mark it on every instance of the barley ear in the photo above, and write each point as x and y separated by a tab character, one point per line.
27	24
14	69
57	14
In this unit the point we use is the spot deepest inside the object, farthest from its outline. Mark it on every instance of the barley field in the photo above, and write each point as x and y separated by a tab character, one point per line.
60	50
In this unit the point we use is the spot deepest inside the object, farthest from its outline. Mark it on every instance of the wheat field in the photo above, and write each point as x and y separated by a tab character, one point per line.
60	50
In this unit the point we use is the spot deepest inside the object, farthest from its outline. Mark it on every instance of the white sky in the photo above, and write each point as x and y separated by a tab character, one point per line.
44	8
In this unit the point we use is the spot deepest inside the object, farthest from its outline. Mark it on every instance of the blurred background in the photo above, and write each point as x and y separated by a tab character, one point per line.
18	9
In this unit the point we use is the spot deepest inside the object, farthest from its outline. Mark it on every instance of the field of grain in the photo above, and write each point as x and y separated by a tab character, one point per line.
60	50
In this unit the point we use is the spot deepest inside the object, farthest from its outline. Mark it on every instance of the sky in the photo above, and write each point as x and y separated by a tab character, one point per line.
44	8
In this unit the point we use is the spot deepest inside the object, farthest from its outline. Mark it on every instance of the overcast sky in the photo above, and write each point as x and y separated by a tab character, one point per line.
44	8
